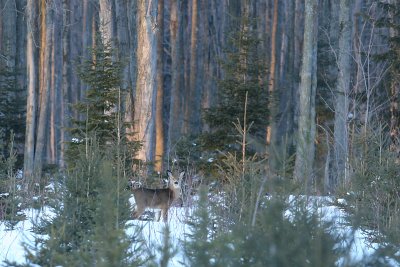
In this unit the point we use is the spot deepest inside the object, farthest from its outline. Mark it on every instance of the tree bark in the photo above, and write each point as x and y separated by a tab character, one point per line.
177	74
106	21
306	134
342	94
46	50
132	63
8	37
124	44
193	101
66	86
56	84
395	90
146	78
272	73
159	153
31	104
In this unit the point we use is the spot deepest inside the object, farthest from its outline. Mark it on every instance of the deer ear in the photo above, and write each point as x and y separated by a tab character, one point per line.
169	173
181	175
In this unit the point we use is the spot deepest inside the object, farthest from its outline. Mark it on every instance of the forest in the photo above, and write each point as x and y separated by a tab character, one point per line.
269	107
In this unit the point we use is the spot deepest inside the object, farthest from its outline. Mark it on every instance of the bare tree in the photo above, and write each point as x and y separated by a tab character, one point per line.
159	153
272	73
192	107
146	78
106	21
47	12
306	133
31	106
342	90
177	74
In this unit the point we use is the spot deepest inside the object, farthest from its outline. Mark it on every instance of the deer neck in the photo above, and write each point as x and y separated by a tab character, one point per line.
175	192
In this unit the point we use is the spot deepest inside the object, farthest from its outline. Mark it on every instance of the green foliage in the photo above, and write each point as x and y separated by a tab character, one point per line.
9	195
199	247
243	226
301	240
375	197
284	234
90	222
243	183
167	250
102	111
390	20
103	76
243	73
12	110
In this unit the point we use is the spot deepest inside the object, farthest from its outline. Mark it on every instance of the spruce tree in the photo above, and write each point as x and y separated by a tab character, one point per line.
89	224
283	235
12	110
244	73
199	246
101	113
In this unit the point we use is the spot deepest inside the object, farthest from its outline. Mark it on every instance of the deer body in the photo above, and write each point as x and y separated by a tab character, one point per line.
157	198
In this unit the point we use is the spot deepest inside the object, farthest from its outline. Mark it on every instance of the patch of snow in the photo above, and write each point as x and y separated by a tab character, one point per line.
152	232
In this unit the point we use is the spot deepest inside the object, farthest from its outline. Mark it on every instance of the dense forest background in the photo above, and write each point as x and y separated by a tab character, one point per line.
318	79
267	103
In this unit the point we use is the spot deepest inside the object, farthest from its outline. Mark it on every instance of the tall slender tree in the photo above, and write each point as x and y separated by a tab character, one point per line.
341	143
146	89
193	103
159	127
306	133
47	26
272	71
31	13
177	74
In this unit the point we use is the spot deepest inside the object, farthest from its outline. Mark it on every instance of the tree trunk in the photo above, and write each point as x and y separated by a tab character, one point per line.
146	78
75	10
395	90
159	153
211	54
106	21
56	84
128	105
306	134
192	121
272	73
46	50
66	86
88	36
8	37
282	133
31	104
20	60
342	95
124	47
177	74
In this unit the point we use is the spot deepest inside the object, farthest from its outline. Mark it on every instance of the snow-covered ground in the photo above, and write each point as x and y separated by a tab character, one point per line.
12	248
11	241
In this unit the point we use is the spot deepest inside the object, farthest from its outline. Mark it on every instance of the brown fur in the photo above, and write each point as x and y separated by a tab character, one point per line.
157	198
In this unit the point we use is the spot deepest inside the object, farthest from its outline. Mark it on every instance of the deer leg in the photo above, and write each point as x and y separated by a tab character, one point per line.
139	211
165	214
159	213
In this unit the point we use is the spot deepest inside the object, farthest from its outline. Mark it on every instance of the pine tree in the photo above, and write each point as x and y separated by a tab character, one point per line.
243	74
198	247
99	108
285	233
12	110
89	227
101	112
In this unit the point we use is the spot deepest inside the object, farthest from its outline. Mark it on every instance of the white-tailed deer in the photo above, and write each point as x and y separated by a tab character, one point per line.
161	198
